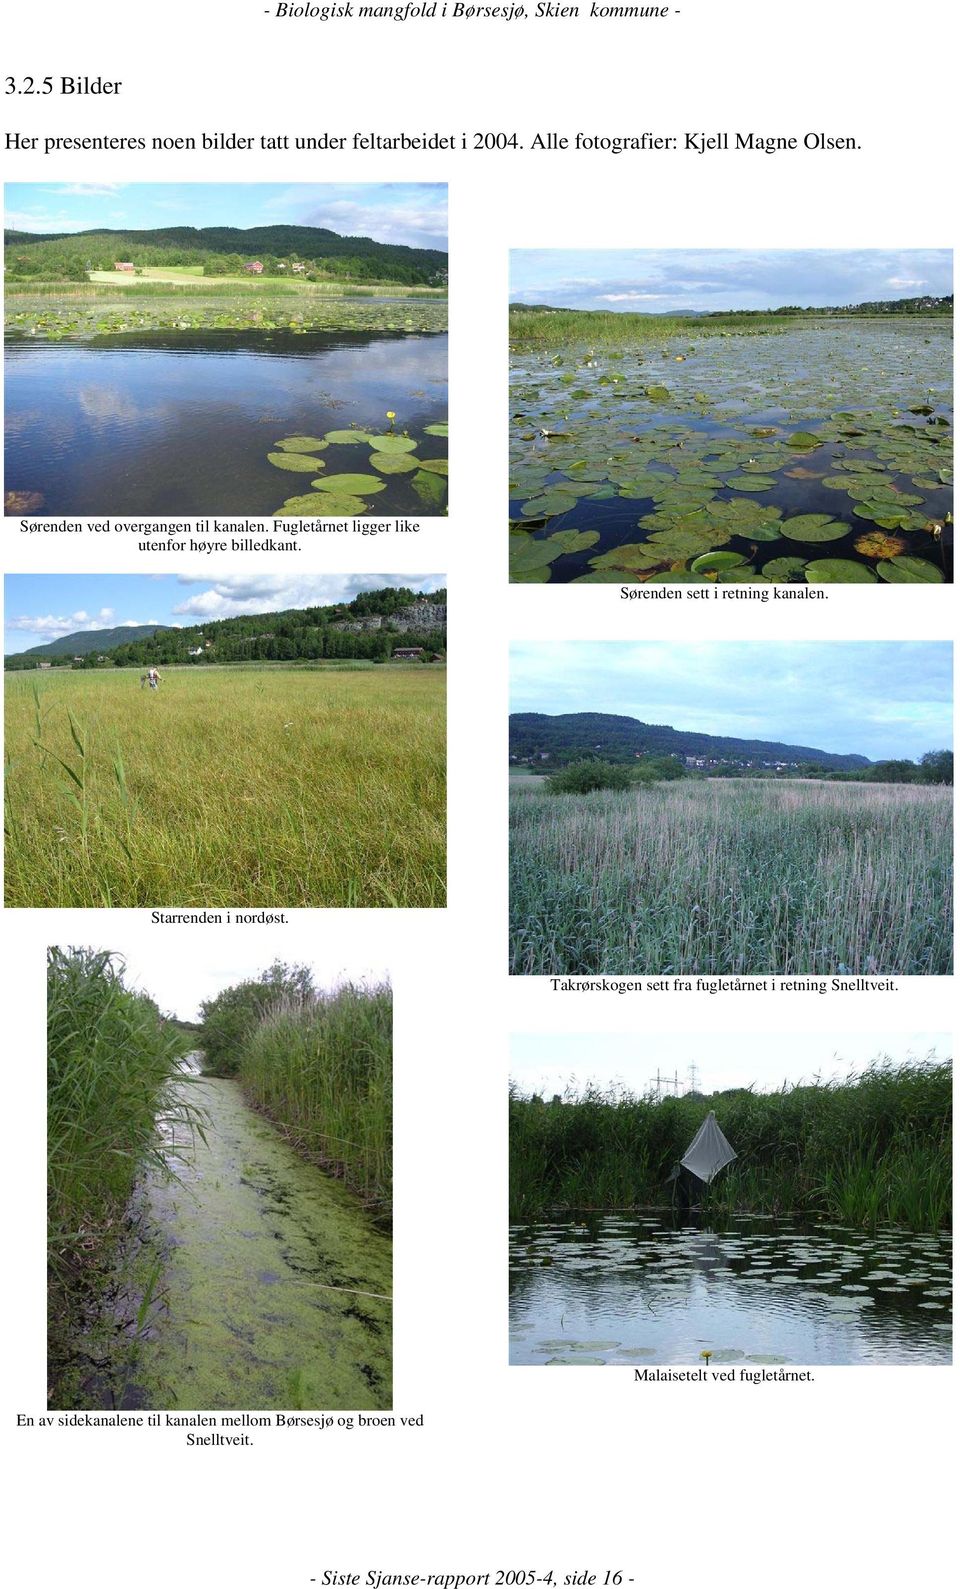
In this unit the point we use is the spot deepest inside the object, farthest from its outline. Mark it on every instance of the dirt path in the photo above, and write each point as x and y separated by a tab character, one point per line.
274	1286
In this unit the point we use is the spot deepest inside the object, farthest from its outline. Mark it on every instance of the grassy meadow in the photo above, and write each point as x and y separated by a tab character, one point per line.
739	876
250	788
875	1149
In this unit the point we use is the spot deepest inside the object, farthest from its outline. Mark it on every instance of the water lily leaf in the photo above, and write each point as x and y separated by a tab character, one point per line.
710	562
839	571
657	394
296	462
877	544
634	556
882	514
910	571
528	554
803	439
432	465
394	462
301	444
348	438
782	569
321	505
351	485
392	443
436	430
813	527
430	488
748	482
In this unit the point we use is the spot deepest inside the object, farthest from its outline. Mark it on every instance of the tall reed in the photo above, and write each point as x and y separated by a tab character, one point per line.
322	1068
873	1149
112	1065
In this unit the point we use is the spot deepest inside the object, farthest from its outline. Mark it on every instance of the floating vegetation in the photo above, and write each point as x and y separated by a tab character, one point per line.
629	1287
345	495
746	445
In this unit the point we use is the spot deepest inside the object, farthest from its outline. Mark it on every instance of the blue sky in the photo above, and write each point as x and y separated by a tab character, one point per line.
662	281
548	1063
42	607
874	698
412	213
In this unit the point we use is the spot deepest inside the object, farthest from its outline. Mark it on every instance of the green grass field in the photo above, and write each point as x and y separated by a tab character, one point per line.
739	876
221	788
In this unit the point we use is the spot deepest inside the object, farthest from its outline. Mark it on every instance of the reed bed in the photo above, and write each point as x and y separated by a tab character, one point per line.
741	876
113	1068
271	788
872	1150
536	327
322	1069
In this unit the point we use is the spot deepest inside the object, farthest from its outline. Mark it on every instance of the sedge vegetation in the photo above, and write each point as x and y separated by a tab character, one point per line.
319	1064
541	326
113	1065
872	1150
252	789
732	876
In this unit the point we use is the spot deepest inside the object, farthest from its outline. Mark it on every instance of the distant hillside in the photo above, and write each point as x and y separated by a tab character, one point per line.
89	640
369	628
883	306
37	253
573	734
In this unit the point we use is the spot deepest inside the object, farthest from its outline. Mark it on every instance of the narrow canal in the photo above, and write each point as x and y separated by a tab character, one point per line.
262	1282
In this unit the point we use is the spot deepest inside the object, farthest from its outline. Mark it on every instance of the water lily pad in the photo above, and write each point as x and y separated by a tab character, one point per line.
430	488
657	394
782	569
910	571
838	571
351	485
321	505
348	438
750	482
813	527
712	561
436	430
878	544
528	555
580	1362
296	462
432	465
301	444
801	440
392	443
394	462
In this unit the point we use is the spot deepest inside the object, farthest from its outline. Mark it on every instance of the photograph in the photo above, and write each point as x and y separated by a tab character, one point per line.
730	416
671	812
219	1181
270	349
257	740
700	1200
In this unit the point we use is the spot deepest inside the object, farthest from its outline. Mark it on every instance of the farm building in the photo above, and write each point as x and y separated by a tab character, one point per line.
123	264
254	268
408	654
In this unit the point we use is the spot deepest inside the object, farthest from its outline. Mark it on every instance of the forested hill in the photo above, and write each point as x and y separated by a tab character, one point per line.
574	734
86	640
370	627
29	253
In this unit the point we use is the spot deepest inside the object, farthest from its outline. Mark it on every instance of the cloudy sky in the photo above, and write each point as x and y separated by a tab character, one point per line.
668	281
547	1064
42	607
875	698
177	976
412	213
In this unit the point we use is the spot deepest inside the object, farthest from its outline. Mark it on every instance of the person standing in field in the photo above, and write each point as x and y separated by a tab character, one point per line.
153	678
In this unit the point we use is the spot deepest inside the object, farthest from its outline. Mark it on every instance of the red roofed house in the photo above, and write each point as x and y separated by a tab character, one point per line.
123	264
255	268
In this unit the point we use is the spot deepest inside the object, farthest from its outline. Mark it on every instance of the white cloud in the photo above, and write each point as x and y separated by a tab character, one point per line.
417	226
238	595
90	190
905	281
52	627
628	297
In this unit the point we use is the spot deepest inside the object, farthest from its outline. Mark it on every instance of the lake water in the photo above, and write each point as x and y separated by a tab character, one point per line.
179	423
634	1289
630	463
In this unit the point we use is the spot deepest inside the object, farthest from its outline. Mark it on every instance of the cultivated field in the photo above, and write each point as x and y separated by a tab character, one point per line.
742	876
246	788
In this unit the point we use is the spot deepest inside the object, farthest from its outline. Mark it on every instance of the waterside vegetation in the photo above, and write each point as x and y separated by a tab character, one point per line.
874	1149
